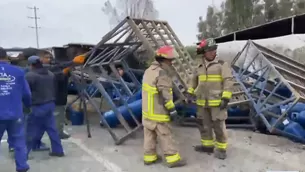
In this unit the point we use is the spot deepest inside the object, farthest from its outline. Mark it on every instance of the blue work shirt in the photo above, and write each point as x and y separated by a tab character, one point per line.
14	92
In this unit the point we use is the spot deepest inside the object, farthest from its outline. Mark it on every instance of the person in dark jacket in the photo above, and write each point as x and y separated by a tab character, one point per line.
14	93
43	87
62	81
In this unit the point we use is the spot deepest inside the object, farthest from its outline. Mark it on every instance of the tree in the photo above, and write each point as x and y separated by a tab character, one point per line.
272	10
133	8
211	27
191	50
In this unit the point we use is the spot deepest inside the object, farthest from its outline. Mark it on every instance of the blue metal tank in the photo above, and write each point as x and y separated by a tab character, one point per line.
295	129
299	118
136	108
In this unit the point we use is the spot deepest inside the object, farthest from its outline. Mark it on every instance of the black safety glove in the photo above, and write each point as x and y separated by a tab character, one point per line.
224	104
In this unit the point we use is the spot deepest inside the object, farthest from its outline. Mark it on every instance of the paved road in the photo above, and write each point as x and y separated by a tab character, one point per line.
248	152
78	159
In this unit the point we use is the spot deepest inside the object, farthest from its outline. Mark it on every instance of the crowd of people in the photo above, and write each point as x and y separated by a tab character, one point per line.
33	102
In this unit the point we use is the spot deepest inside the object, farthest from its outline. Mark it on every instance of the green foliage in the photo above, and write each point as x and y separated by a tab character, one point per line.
191	50
234	15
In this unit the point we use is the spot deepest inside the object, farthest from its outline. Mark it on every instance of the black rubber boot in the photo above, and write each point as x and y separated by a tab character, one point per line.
57	154
220	154
179	163
64	136
158	160
200	148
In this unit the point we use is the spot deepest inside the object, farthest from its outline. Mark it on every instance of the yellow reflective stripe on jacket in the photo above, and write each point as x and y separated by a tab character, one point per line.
209	143
173	158
150	158
221	145
191	90
227	94
156	117
210	102
169	105
210	78
151	91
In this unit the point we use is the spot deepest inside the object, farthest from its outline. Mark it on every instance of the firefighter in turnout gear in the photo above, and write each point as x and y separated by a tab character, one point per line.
157	109
211	85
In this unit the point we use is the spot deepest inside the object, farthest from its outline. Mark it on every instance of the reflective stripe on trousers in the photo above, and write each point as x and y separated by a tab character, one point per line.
150	158
211	143
151	92
169	159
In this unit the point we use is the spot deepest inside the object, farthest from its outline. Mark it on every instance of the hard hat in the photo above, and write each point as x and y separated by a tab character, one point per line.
206	45
33	60
166	52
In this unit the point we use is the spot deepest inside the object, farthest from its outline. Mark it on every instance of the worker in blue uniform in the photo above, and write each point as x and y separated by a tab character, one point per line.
22	63
42	84
14	91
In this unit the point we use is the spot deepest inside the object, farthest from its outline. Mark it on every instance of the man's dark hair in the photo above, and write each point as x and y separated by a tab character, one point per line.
159	59
3	53
119	66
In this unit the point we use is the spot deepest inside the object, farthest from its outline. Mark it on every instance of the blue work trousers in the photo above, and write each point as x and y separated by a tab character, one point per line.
42	119
16	134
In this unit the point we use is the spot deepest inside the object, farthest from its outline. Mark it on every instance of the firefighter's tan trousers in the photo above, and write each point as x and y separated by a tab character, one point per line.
212	119
152	130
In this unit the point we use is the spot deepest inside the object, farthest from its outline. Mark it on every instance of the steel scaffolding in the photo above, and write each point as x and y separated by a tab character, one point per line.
262	73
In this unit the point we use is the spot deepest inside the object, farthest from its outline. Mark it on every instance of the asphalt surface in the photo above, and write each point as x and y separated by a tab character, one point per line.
248	152
76	160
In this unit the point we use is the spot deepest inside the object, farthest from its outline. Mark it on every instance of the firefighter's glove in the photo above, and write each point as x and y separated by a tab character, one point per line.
173	112
224	104
79	59
190	98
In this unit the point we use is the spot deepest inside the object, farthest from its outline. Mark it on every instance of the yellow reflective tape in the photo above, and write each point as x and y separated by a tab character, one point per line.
150	158
173	158
210	78
191	90
151	91
169	105
156	117
207	142
161	54
221	145
202	77
210	102
226	94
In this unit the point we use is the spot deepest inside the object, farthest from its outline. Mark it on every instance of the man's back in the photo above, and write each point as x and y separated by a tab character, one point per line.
13	89
42	84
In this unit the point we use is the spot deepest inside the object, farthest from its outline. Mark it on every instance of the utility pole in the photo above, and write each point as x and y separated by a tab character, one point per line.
35	18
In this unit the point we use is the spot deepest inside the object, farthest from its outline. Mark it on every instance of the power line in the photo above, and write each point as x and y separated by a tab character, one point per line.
35	18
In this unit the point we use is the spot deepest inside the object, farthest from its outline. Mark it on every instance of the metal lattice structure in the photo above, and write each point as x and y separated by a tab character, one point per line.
147	36
262	73
132	37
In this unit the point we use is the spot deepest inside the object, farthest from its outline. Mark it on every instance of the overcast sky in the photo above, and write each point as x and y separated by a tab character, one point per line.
64	21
